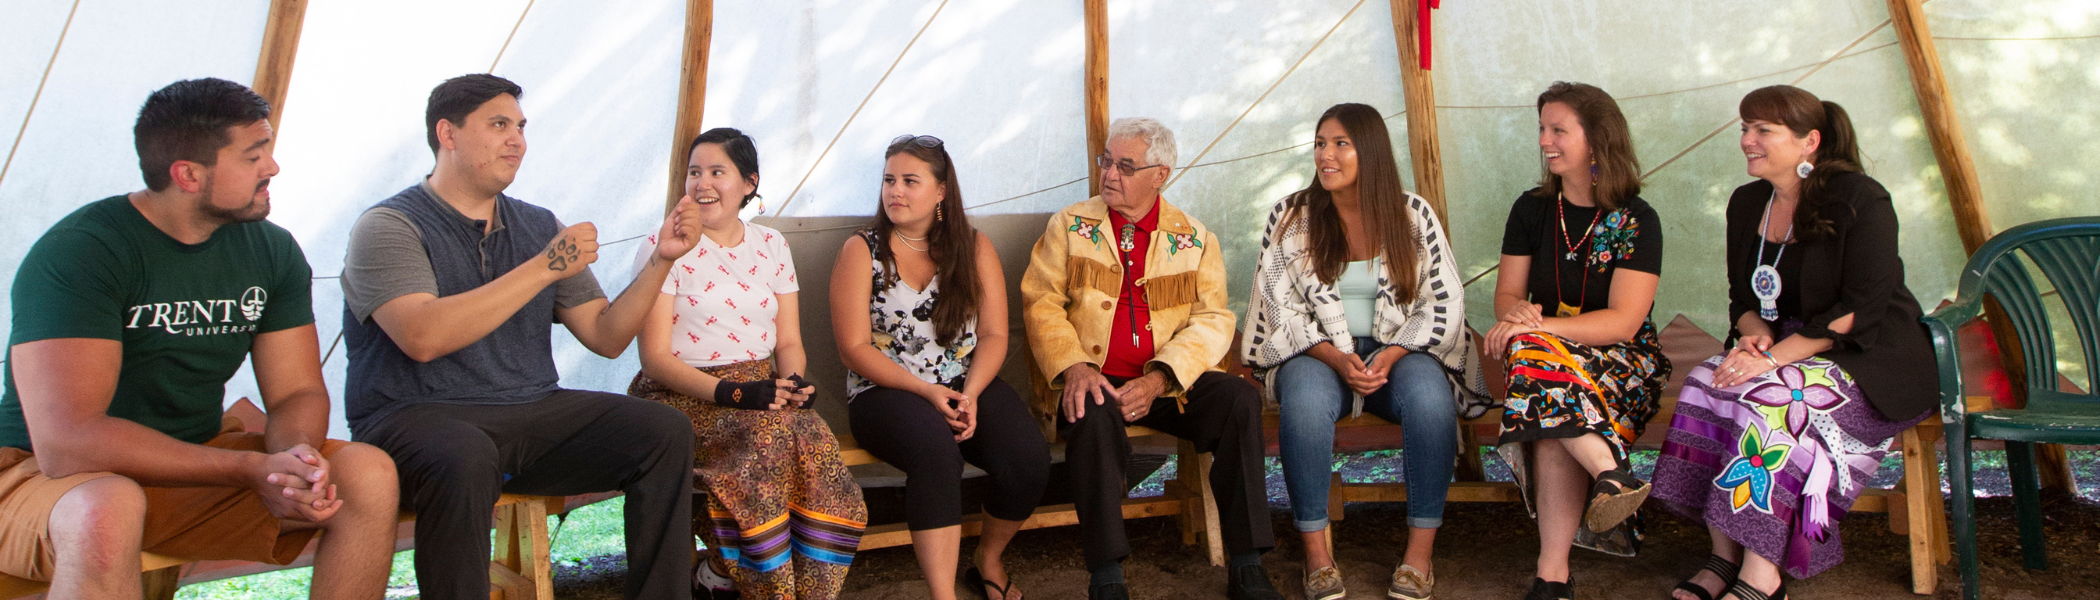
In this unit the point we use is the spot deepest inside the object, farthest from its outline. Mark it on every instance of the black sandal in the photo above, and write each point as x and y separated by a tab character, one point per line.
1615	496
1721	567
1743	591
976	582
1551	590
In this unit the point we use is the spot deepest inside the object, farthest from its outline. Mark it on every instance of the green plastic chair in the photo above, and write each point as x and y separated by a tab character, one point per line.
2067	254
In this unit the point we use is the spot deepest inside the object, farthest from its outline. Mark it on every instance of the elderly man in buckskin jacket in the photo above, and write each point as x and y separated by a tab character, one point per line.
1125	303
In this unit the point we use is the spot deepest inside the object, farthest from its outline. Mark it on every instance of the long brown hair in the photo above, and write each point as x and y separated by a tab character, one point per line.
953	244
1380	198
1617	174
1838	153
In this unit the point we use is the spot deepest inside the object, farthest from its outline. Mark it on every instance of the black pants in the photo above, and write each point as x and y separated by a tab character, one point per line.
1223	418
904	430
454	460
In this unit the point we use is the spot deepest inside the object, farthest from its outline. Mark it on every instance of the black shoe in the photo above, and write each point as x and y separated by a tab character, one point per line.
1251	582
1550	590
1108	591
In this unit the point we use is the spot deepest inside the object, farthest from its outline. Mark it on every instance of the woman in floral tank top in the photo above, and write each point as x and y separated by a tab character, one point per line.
924	363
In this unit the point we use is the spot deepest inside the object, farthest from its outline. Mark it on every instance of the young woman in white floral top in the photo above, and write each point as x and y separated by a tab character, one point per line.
923	363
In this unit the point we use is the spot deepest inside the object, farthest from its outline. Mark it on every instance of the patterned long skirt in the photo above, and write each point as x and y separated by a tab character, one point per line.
1561	389
1776	461
783	514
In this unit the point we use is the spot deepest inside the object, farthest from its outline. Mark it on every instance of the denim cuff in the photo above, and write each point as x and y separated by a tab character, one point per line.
1312	526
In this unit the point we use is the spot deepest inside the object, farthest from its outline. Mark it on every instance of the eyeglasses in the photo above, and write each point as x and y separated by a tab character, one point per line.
924	141
1104	164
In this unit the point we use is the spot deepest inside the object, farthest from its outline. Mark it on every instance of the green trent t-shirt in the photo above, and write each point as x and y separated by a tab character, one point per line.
186	314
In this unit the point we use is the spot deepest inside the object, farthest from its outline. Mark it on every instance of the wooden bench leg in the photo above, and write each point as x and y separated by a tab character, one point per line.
521	569
160	584
1470	467
1927	521
1337	495
1201	506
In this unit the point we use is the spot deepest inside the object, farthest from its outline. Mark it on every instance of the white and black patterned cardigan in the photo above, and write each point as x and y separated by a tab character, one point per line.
1290	310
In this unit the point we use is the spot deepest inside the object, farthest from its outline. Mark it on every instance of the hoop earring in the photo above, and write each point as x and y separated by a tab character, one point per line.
1804	168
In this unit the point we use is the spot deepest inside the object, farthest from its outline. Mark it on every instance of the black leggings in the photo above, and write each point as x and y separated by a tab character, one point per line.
904	430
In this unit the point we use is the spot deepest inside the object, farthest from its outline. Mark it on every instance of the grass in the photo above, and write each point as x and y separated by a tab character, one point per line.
594	530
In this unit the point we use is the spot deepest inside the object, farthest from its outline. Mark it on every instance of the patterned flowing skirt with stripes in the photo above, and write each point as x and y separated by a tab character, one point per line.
1562	389
782	511
1774	462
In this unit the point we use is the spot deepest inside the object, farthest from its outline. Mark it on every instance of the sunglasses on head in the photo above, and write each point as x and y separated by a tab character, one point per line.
924	141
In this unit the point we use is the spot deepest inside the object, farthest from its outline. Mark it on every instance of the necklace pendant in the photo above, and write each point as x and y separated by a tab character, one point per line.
1570	255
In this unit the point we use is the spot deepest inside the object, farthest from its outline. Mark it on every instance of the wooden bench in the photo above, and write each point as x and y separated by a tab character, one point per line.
1187	496
520	568
1914	508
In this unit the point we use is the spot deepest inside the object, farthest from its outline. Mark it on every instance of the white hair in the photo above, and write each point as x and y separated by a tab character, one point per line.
1159	141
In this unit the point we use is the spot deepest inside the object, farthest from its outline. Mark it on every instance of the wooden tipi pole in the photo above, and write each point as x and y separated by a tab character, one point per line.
692	92
1096	89
1958	170
1409	31
280	49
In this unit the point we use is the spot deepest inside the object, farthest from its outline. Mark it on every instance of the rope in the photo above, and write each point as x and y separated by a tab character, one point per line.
2033	39
1685	90
62	31
1469	282
1265	93
1797	80
513	34
856	110
1006	200
331	347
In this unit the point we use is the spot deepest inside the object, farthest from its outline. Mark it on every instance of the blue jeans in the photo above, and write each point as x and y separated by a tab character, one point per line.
1416	395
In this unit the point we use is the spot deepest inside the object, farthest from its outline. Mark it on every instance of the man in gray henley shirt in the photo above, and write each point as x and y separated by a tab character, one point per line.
450	293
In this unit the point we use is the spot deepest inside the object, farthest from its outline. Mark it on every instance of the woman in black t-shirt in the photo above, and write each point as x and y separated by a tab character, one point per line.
1773	440
1581	256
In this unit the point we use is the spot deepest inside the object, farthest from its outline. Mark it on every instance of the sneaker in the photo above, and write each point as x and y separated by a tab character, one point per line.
1410	583
1324	584
709	584
1251	582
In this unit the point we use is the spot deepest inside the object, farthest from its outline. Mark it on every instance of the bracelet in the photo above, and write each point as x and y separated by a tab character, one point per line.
1769	359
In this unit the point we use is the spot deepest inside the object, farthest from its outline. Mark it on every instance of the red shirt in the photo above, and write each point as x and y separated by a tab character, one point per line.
1130	339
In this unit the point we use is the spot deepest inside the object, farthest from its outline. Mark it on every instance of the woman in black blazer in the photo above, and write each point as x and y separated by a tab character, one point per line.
1773	440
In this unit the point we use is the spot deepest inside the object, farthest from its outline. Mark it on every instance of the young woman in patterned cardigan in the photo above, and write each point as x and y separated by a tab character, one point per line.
1357	305
923	367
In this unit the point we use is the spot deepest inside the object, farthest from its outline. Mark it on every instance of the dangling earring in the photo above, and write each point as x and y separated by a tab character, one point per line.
1804	168
937	213
1593	172
761	203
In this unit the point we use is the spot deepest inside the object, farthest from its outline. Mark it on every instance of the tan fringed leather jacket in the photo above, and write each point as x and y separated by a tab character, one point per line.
1068	295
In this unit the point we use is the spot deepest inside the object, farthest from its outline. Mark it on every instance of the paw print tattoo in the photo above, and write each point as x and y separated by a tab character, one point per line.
563	252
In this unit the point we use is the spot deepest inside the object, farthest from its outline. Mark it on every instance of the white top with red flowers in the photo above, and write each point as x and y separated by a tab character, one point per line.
724	302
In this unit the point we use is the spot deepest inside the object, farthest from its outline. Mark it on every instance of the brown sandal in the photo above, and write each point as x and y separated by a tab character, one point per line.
1616	496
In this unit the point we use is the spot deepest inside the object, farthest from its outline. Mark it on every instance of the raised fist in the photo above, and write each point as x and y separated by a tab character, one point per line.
571	250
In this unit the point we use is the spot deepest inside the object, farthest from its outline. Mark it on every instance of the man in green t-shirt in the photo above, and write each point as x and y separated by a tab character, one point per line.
129	316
